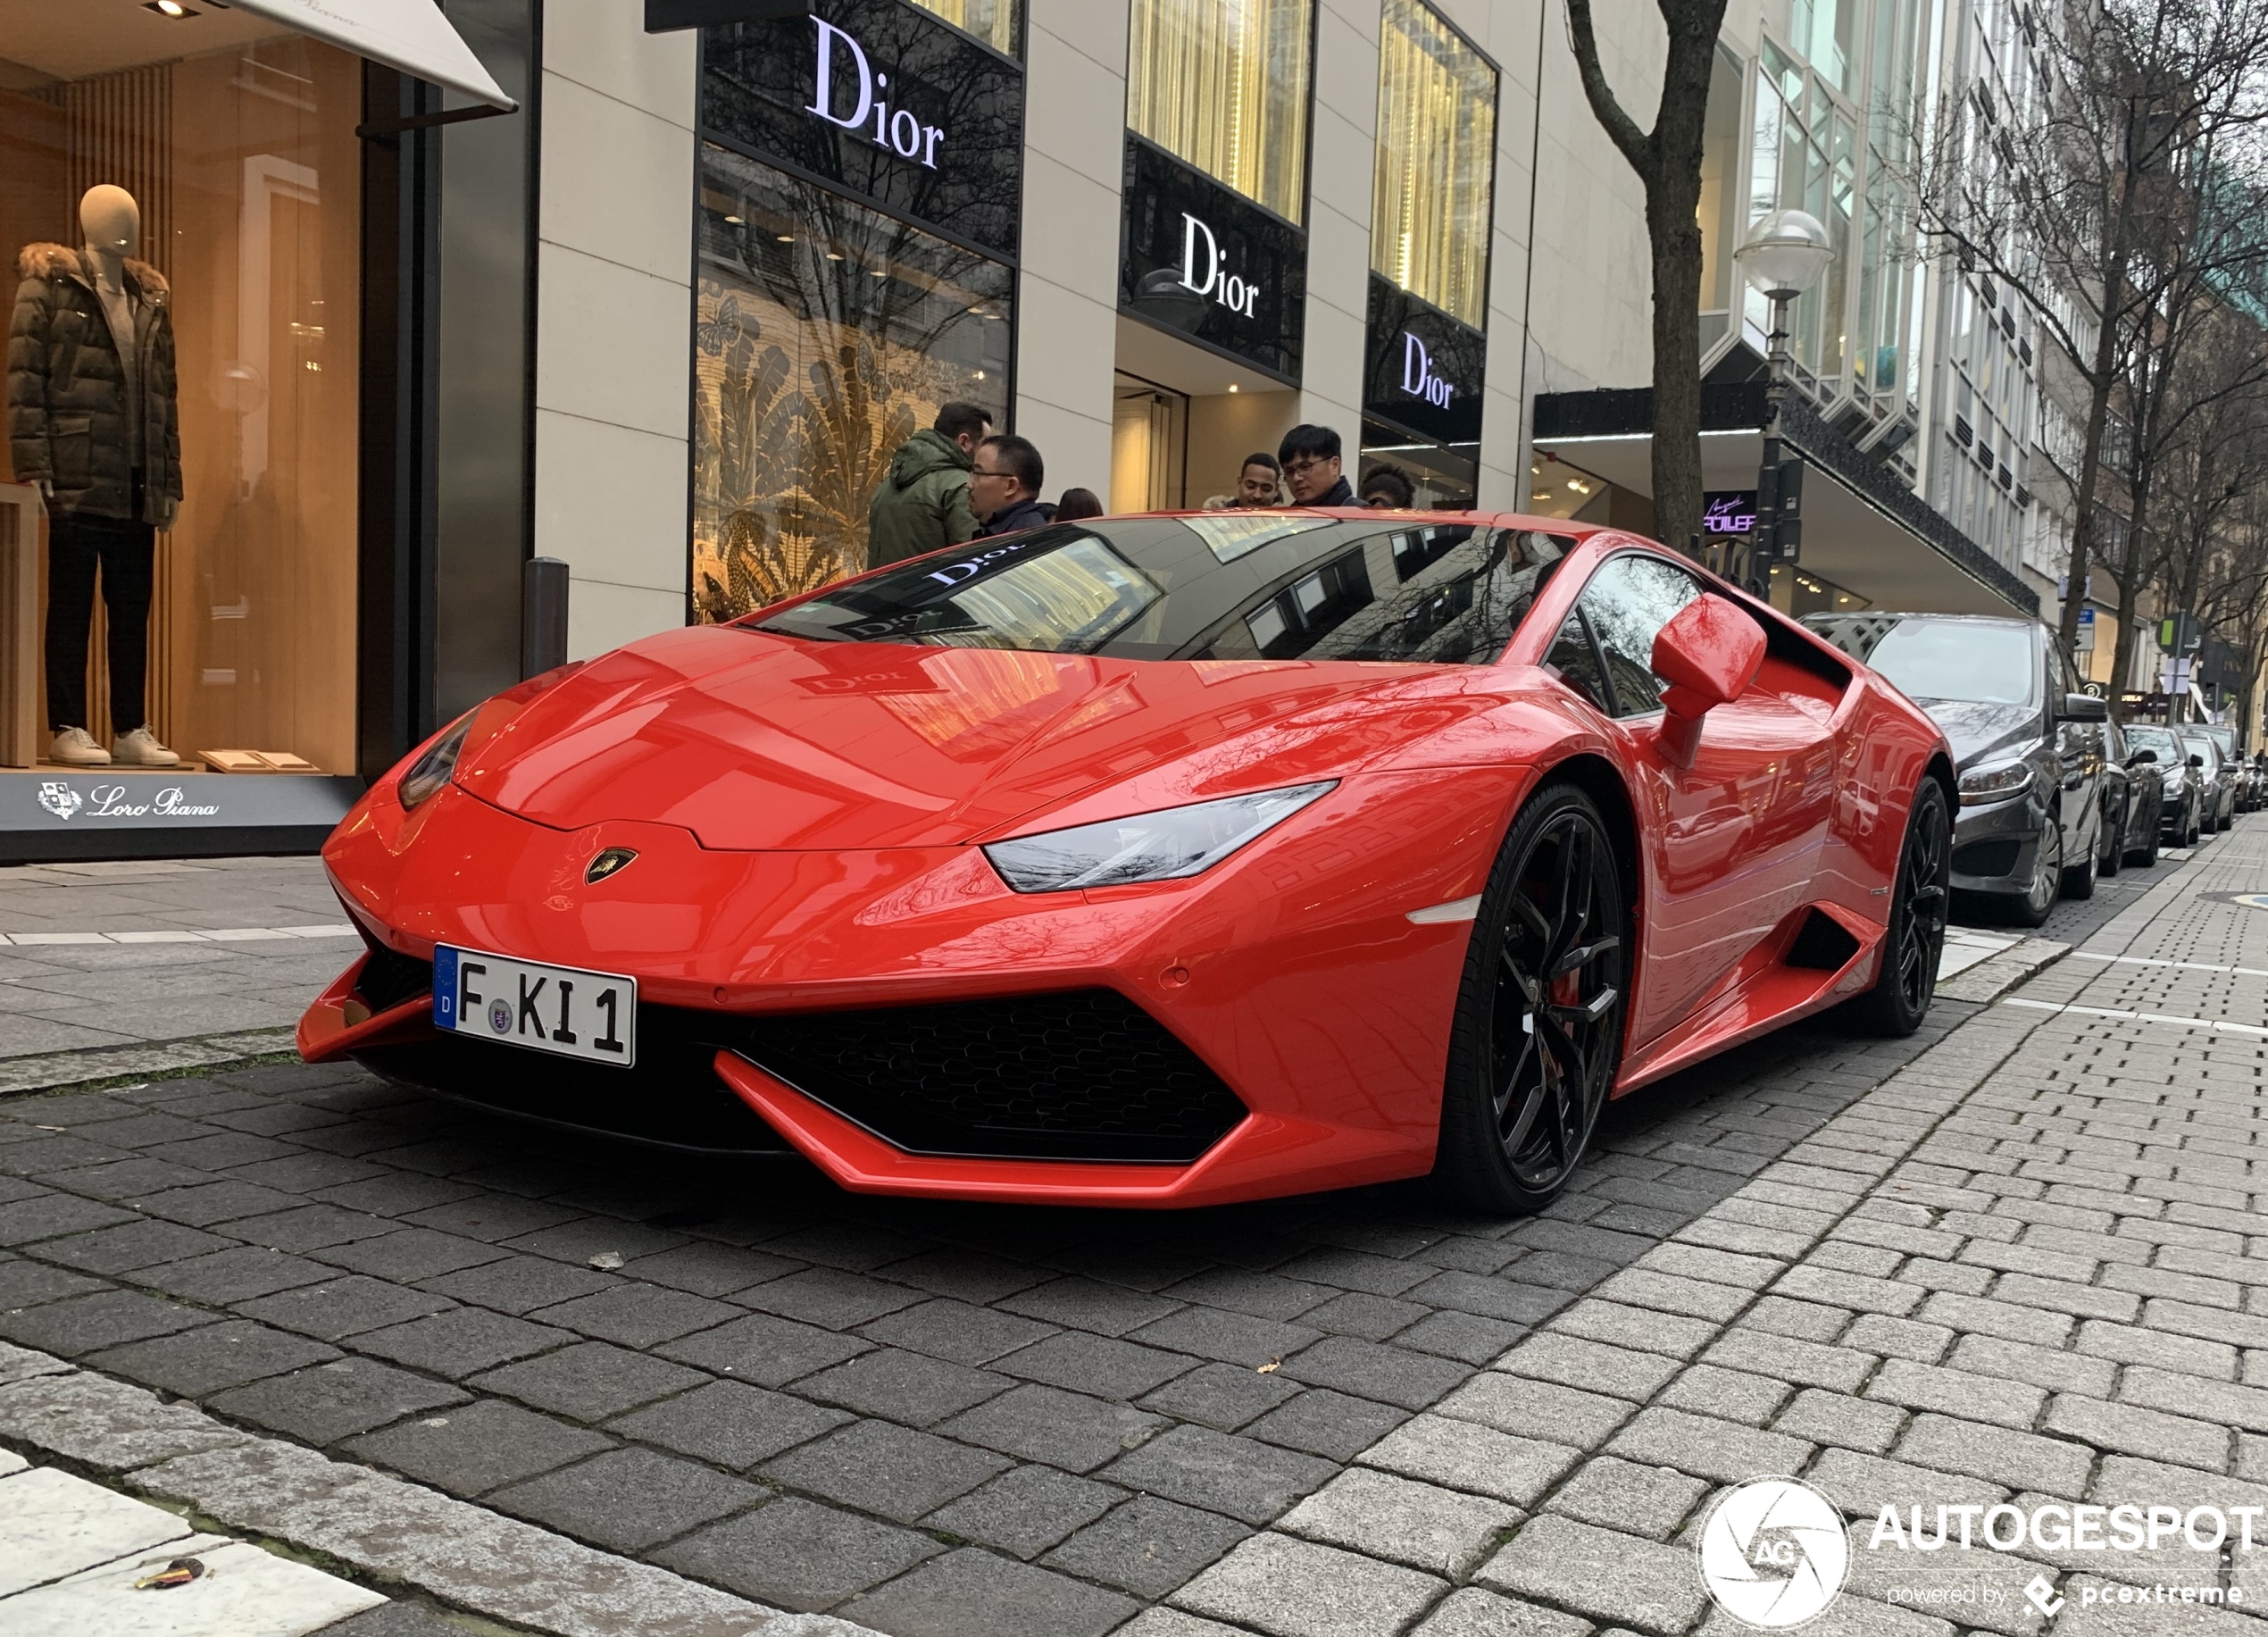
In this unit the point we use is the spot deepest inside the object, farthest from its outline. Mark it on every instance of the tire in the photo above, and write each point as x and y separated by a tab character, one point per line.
1914	942
1532	1056
2197	831
2078	879
2038	901
2109	857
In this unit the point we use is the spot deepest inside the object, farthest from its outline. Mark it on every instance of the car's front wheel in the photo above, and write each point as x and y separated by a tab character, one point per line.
2047	876
2078	879
1538	1033
1914	942
2110	839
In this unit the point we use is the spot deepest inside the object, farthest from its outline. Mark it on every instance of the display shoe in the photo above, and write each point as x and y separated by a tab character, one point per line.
76	747
140	748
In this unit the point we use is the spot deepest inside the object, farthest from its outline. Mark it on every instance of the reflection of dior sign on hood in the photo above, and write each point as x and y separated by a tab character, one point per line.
1207	274
901	132
1418	378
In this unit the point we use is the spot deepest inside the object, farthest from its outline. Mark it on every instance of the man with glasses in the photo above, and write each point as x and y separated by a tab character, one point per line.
1004	486
1311	462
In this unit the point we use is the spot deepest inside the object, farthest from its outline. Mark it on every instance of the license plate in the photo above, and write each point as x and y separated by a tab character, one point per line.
560	1009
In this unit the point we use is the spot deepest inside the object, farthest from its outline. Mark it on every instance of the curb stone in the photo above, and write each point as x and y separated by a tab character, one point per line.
387	1530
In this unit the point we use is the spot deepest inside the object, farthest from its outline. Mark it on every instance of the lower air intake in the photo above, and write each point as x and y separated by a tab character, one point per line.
1084	1074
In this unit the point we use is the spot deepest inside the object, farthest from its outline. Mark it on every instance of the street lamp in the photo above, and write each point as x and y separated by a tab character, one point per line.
1785	254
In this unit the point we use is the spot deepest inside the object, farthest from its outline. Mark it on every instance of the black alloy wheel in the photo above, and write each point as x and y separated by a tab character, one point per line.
2143	854
1914	942
2110	838
1538	1033
2047	876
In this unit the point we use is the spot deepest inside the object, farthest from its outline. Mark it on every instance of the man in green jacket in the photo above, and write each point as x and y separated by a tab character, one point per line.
923	504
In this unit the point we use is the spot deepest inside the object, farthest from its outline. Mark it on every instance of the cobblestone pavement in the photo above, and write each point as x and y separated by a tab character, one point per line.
1308	1416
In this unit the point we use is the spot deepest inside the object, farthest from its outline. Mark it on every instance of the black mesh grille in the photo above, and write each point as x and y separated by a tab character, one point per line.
1996	858
388	979
1086	1074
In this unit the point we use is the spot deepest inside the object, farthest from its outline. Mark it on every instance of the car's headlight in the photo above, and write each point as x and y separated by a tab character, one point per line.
1994	784
431	771
1167	845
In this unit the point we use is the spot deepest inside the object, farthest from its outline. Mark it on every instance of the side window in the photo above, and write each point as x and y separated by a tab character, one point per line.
1628	602
1576	660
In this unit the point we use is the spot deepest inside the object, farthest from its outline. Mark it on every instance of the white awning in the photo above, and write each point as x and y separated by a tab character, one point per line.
409	35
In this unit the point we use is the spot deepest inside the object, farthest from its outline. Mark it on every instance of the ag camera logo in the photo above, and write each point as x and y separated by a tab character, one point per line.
1774	1553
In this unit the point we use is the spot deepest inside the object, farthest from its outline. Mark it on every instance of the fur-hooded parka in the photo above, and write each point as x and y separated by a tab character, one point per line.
67	392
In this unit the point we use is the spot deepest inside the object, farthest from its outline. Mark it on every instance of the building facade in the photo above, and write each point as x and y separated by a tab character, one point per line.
668	318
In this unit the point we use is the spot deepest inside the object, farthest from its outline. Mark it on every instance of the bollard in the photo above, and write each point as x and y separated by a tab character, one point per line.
543	614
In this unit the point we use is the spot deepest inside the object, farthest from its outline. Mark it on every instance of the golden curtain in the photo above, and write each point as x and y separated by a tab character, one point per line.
1222	84
993	21
1436	143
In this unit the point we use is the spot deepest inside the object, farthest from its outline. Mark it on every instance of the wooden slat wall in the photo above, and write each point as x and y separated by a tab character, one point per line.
122	132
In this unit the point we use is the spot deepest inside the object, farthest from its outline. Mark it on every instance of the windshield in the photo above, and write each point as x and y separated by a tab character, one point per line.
1252	585
2159	741
1983	661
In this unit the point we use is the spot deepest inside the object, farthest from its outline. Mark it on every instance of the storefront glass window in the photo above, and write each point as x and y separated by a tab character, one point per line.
1436	146
1222	85
244	169
993	21
1723	222
825	334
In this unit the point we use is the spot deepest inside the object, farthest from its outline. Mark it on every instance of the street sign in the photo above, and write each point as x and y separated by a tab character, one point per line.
2087	630
2180	633
1790	527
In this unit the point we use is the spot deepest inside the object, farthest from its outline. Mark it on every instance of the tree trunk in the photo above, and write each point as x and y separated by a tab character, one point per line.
1676	235
2100	382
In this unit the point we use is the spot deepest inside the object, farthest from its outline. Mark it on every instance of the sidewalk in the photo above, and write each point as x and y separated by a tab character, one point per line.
113	970
2013	1253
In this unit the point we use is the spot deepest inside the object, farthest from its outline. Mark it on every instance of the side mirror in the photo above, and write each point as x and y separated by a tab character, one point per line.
2197	761
2084	707
1707	653
2140	757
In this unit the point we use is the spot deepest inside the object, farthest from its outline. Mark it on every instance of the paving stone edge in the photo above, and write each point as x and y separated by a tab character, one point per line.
377	1529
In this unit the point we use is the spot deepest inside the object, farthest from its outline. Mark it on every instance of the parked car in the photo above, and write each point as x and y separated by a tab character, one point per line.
2219	780
2027	741
1154	861
2133	798
2233	756
2181	800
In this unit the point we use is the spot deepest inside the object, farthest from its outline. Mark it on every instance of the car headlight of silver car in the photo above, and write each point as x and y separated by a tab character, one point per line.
1167	845
1999	783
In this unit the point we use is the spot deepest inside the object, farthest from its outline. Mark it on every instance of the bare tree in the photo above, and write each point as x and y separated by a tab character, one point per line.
2084	198
1668	162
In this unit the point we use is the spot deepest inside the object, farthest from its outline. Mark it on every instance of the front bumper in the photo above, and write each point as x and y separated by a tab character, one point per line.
1289	1023
1996	847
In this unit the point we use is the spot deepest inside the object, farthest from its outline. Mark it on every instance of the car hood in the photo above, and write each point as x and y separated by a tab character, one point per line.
754	740
1980	733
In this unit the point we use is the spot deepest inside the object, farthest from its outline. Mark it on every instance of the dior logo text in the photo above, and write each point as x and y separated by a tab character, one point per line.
1206	271
1418	378
871	114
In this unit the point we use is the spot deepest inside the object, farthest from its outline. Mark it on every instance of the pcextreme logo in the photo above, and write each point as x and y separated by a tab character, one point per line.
1773	1554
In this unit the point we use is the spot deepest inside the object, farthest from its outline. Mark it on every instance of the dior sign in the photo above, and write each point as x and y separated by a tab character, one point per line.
1206	272
1418	378
901	131
1422	370
1202	262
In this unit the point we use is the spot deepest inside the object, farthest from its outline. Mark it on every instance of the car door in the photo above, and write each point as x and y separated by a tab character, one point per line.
1731	839
2079	751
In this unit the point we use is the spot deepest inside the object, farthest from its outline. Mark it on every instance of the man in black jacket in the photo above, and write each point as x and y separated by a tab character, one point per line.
1311	461
1004	486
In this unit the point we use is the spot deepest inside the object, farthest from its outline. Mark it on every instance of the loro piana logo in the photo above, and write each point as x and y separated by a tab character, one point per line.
1774	1553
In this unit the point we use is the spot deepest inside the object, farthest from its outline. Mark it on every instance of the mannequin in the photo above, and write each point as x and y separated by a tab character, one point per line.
93	422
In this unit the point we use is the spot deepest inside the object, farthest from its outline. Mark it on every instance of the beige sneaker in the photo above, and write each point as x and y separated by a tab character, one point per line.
76	747
140	748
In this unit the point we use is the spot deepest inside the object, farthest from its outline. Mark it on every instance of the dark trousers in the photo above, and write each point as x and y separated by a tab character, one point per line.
126	552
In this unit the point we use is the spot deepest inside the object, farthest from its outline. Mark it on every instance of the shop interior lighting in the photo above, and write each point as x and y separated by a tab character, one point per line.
1232	386
787	239
834	256
168	8
732	221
